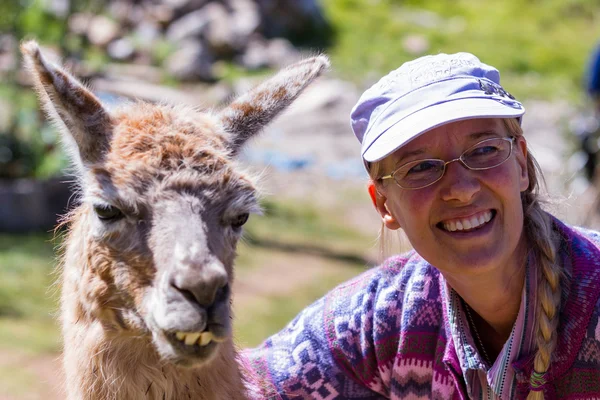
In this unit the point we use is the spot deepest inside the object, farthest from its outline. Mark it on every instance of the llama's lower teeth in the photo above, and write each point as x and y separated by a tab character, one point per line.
192	338
205	338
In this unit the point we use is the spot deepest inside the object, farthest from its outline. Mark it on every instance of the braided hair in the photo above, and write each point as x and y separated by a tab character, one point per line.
543	241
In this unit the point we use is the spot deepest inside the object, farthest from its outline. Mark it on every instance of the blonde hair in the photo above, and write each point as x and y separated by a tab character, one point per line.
543	242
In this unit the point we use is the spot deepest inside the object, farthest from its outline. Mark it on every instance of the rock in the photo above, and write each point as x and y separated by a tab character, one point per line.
137	72
281	52
120	11
415	44
102	30
189	26
146	33
192	61
246	17
183	7
8	47
121	49
290	17
160	13
59	8
255	55
176	3
274	53
79	23
220	33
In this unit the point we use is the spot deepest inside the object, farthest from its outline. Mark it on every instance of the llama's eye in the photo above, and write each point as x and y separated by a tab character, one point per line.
239	220
108	213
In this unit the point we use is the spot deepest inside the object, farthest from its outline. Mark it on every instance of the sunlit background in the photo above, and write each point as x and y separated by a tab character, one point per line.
318	228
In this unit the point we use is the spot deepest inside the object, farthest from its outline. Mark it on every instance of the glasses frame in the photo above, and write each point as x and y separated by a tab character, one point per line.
510	139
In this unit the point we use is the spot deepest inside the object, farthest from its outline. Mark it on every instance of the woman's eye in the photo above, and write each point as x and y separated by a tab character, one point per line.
240	220
108	213
424	166
484	151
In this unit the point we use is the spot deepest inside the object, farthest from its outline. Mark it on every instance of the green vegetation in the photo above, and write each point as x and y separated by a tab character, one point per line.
28	300
541	48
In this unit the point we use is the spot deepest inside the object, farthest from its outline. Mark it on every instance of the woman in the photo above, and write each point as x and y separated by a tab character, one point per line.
498	299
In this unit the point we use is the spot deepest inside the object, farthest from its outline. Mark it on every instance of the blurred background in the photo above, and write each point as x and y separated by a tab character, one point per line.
319	228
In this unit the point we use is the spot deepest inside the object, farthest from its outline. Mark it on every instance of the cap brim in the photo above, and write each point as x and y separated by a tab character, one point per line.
429	118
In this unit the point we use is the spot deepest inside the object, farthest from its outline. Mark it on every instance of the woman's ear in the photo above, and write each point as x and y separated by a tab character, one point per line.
379	202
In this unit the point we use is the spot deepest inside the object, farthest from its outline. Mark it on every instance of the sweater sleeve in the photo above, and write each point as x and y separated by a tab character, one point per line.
340	347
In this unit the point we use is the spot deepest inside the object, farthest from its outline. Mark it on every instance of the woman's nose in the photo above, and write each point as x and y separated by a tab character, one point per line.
459	183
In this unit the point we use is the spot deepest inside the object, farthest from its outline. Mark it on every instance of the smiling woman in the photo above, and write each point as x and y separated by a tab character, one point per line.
498	299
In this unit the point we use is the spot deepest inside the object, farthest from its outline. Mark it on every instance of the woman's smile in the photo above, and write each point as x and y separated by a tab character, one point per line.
467	224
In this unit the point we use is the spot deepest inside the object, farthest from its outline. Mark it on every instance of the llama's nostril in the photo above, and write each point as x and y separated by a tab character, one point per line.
188	295
205	294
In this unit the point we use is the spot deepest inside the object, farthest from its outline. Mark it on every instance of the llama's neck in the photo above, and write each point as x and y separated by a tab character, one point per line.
104	363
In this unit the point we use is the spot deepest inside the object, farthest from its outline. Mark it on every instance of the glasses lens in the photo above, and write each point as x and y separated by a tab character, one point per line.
487	154
419	173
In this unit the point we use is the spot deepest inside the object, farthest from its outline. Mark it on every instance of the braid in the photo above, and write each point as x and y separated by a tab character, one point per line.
544	243
538	228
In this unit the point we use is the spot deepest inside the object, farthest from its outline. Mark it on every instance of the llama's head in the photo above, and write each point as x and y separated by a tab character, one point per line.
163	204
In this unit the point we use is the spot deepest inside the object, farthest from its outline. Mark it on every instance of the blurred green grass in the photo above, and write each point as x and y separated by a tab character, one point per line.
541	48
28	299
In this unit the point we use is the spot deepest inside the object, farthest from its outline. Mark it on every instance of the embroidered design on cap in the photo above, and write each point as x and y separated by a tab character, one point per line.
493	88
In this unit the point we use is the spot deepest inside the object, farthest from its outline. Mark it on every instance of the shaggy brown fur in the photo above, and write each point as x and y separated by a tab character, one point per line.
149	255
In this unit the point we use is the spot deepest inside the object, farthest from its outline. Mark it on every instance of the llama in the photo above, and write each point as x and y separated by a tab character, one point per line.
148	259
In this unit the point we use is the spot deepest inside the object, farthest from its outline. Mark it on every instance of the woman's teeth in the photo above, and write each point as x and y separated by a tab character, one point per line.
472	222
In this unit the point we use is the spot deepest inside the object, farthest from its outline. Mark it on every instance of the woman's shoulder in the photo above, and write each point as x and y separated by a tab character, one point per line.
578	236
403	284
396	272
590	234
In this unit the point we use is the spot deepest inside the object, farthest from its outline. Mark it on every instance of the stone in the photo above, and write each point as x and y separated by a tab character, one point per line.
121	49
280	52
146	33
190	25
220	33
120	11
59	8
160	13
246	17
273	53
290	17
192	61
79	23
102	30
8	51
255	55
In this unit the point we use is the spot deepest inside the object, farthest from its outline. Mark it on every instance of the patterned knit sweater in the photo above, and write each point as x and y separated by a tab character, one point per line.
385	334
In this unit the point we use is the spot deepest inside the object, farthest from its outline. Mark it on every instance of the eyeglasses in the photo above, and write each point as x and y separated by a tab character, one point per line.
486	154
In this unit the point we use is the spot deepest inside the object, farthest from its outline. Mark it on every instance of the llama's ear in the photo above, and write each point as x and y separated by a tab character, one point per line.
249	113
84	122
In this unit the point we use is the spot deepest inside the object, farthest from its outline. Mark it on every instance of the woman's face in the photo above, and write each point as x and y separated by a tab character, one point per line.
489	199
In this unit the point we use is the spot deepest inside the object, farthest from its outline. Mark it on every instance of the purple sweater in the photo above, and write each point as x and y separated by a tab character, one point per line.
385	334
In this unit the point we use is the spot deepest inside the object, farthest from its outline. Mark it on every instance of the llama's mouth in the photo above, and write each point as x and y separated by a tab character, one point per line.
197	338
193	348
